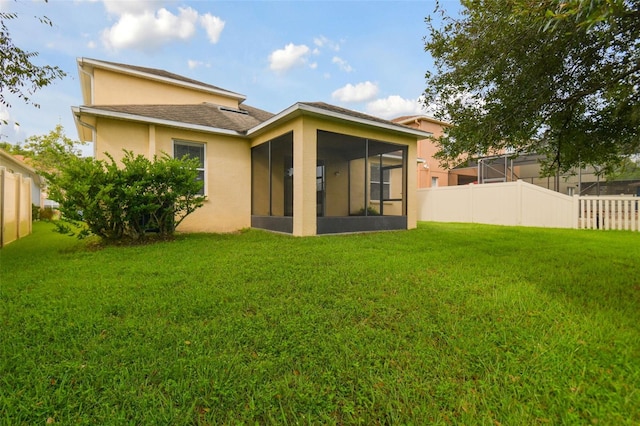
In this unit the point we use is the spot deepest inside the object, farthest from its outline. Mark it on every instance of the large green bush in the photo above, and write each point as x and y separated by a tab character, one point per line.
128	202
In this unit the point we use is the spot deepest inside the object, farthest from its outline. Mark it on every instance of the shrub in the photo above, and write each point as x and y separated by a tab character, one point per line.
370	211
127	202
35	212
46	213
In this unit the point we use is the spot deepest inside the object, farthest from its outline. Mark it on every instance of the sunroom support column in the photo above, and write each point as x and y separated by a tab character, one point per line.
304	179
411	190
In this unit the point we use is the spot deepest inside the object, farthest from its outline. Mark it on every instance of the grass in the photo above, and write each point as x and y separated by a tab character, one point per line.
445	324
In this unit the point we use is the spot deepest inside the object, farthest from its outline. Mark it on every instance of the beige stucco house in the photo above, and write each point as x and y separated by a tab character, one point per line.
311	169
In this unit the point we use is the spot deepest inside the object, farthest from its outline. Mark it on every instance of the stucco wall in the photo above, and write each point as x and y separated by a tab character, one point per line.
111	88
227	169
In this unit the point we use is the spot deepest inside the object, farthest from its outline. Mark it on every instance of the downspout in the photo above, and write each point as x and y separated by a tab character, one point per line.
3	171
93	133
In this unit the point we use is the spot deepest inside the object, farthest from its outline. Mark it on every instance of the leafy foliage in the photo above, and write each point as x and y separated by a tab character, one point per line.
13	149
555	78
126	203
48	152
19	75
629	169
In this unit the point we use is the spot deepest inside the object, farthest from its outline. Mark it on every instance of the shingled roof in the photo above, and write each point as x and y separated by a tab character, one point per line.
355	114
204	114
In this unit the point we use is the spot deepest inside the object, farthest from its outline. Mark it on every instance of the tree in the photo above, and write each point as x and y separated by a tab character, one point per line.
13	149
18	74
629	169
50	152
558	78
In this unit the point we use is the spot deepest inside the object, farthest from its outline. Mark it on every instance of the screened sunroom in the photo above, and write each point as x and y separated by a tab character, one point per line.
360	183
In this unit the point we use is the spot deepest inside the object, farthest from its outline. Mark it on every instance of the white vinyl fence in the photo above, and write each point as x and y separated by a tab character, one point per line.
609	213
15	206
523	204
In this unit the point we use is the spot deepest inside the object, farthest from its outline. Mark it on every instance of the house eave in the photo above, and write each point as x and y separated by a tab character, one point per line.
82	110
299	109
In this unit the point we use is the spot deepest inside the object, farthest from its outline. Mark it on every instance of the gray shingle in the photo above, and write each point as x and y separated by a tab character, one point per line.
205	114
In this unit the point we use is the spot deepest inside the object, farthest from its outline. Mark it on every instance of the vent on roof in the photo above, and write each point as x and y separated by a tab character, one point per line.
237	111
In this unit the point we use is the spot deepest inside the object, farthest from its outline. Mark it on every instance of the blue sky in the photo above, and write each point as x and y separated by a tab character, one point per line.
363	55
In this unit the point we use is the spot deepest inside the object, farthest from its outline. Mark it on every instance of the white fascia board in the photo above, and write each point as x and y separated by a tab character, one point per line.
123	70
308	109
150	120
284	115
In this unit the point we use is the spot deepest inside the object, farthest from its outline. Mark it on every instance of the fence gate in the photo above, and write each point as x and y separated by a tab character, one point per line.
609	213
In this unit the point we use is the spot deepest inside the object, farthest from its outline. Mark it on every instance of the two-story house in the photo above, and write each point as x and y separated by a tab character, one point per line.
311	169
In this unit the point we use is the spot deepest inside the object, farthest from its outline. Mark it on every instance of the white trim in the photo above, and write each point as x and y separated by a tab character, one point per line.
148	76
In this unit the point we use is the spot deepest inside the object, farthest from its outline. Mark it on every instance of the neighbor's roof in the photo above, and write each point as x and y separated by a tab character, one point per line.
157	74
405	119
7	159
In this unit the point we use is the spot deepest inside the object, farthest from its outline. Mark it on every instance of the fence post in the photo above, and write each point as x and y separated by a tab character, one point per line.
520	189
2	204
576	212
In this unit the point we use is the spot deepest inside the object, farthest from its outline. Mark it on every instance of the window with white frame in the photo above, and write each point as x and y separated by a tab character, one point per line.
434	182
183	149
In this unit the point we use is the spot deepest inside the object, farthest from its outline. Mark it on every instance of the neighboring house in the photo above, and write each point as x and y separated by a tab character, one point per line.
527	167
429	171
311	169
18	164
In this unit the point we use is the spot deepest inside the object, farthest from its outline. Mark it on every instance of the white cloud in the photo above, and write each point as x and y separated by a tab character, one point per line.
213	25
119	7
342	64
359	93
9	132
322	41
150	30
313	66
291	56
92	44
194	64
394	106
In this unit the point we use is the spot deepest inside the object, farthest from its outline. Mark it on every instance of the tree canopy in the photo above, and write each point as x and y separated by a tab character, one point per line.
50	152
18	74
558	78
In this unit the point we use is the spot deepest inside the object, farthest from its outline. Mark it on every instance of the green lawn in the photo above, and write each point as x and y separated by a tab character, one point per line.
461	324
